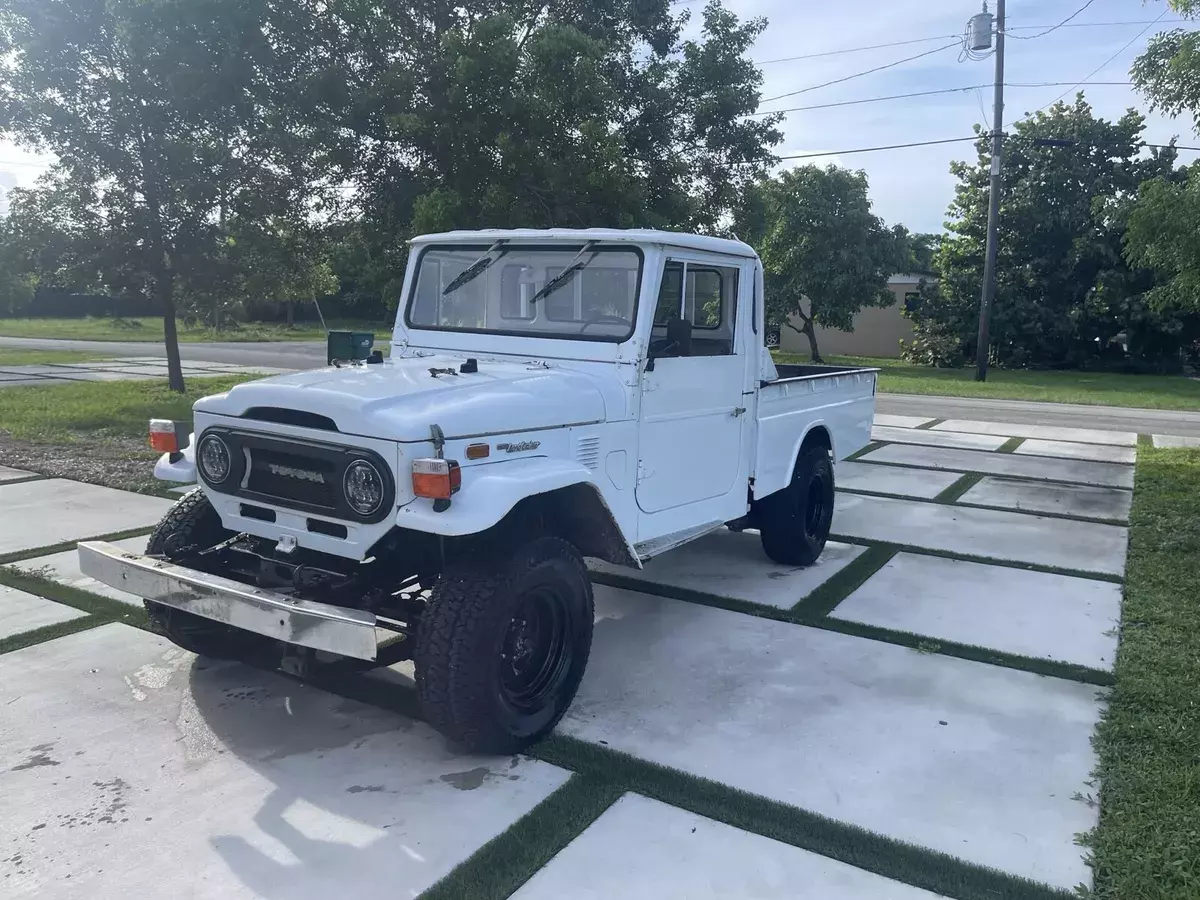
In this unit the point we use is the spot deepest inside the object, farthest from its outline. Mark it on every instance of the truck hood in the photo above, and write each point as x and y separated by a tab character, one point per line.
399	399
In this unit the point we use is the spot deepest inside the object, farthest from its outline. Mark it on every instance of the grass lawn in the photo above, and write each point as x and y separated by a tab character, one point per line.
12	356
151	329
84	411
1147	845
1094	388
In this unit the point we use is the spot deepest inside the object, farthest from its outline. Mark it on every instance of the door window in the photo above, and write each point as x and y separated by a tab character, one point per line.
696	310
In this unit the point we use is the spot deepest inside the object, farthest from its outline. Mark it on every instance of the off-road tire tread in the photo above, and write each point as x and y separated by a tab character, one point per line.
452	681
781	530
190	523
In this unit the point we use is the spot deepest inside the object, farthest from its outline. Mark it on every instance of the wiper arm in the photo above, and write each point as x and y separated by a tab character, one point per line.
566	274
471	272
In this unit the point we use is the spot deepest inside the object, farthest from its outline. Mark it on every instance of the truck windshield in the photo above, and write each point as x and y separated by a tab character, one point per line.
597	302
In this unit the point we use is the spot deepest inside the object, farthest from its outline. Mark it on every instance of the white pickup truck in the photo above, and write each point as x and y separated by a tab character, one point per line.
550	396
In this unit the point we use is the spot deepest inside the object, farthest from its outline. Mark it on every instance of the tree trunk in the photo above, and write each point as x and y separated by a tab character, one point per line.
809	330
165	289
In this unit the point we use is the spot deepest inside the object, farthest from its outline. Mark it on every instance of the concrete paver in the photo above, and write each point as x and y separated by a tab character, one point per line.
729	564
901	421
1039	467
931	438
924	483
54	510
134	770
1046	432
995	534
9	474
907	744
1085	501
1034	614
63	568
641	849
21	612
1070	450
1174	440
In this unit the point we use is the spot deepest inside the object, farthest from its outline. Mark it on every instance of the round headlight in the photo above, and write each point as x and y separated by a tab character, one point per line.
364	487
212	456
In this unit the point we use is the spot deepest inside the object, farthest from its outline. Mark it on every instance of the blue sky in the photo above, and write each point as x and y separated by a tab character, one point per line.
911	186
914	186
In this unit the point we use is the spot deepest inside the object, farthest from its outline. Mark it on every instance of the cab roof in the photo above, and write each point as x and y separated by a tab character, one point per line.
608	235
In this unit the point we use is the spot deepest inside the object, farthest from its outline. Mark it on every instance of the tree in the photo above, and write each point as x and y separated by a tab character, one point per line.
17	282
1168	73
1064	291
821	248
1164	235
168	118
578	113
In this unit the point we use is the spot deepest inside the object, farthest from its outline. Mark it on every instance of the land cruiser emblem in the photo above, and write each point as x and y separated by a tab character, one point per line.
519	447
302	474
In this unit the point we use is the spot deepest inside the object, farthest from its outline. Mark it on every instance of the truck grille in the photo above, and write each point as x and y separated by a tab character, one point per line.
294	476
302	475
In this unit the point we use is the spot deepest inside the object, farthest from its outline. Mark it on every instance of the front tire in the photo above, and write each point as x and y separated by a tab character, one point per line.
191	525
794	523
500	651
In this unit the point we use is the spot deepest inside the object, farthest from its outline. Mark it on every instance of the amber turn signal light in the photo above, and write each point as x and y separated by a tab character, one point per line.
163	437
437	479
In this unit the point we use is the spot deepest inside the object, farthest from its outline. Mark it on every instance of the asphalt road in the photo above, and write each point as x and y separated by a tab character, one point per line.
309	354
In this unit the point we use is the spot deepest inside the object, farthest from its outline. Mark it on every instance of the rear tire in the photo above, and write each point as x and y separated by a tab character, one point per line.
500	651
191	525
794	523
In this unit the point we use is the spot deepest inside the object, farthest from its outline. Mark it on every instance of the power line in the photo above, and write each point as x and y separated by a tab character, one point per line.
955	90
955	43
973	137
1098	68
924	40
1011	28
1030	37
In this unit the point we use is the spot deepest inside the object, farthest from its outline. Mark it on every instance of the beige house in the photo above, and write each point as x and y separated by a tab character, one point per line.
877	331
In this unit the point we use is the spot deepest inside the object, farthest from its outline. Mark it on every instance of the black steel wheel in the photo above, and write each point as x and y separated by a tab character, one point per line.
794	523
500	651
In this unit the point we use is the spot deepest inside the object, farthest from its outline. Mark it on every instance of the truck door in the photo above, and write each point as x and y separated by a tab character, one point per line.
692	408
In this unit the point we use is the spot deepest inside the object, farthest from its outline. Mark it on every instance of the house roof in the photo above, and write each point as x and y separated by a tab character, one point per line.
913	278
609	235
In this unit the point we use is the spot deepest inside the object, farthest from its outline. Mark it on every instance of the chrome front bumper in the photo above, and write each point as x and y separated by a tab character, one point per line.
320	626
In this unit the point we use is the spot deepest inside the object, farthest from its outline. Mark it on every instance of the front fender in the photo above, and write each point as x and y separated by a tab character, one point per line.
489	492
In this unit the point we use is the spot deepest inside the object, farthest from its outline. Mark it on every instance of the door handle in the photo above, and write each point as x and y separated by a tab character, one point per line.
737	411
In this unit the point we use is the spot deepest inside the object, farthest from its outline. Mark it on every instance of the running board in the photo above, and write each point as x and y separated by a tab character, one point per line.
647	550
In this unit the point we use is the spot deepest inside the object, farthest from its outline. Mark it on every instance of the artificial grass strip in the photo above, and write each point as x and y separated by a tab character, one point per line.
842	584
960	487
105	608
50	549
927	425
1010	445
1147	843
900	861
49	633
510	859
870	447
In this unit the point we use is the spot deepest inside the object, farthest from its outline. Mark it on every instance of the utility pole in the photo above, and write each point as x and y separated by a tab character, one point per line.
989	265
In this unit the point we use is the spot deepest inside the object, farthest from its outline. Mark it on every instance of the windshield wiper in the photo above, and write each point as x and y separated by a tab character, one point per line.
476	268
566	274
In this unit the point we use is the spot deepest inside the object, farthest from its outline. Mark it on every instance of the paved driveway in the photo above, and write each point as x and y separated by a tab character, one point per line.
910	717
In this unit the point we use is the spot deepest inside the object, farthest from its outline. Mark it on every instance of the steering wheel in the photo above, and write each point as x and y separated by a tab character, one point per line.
604	318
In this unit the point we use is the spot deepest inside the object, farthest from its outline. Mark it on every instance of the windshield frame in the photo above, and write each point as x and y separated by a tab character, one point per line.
511	247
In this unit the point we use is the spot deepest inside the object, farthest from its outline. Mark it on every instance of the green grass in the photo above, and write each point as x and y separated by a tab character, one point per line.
12	356
151	329
1089	388
1147	845
61	413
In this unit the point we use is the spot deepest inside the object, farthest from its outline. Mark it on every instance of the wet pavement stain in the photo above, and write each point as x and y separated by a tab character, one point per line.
368	788
467	781
40	757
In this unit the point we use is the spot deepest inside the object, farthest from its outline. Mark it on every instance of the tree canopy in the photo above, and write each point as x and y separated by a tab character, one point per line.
1065	292
825	255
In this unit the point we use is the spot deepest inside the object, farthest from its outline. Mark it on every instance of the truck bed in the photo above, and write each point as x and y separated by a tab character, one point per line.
840	399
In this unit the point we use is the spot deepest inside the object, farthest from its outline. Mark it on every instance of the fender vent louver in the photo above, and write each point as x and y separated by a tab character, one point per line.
587	451
297	417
